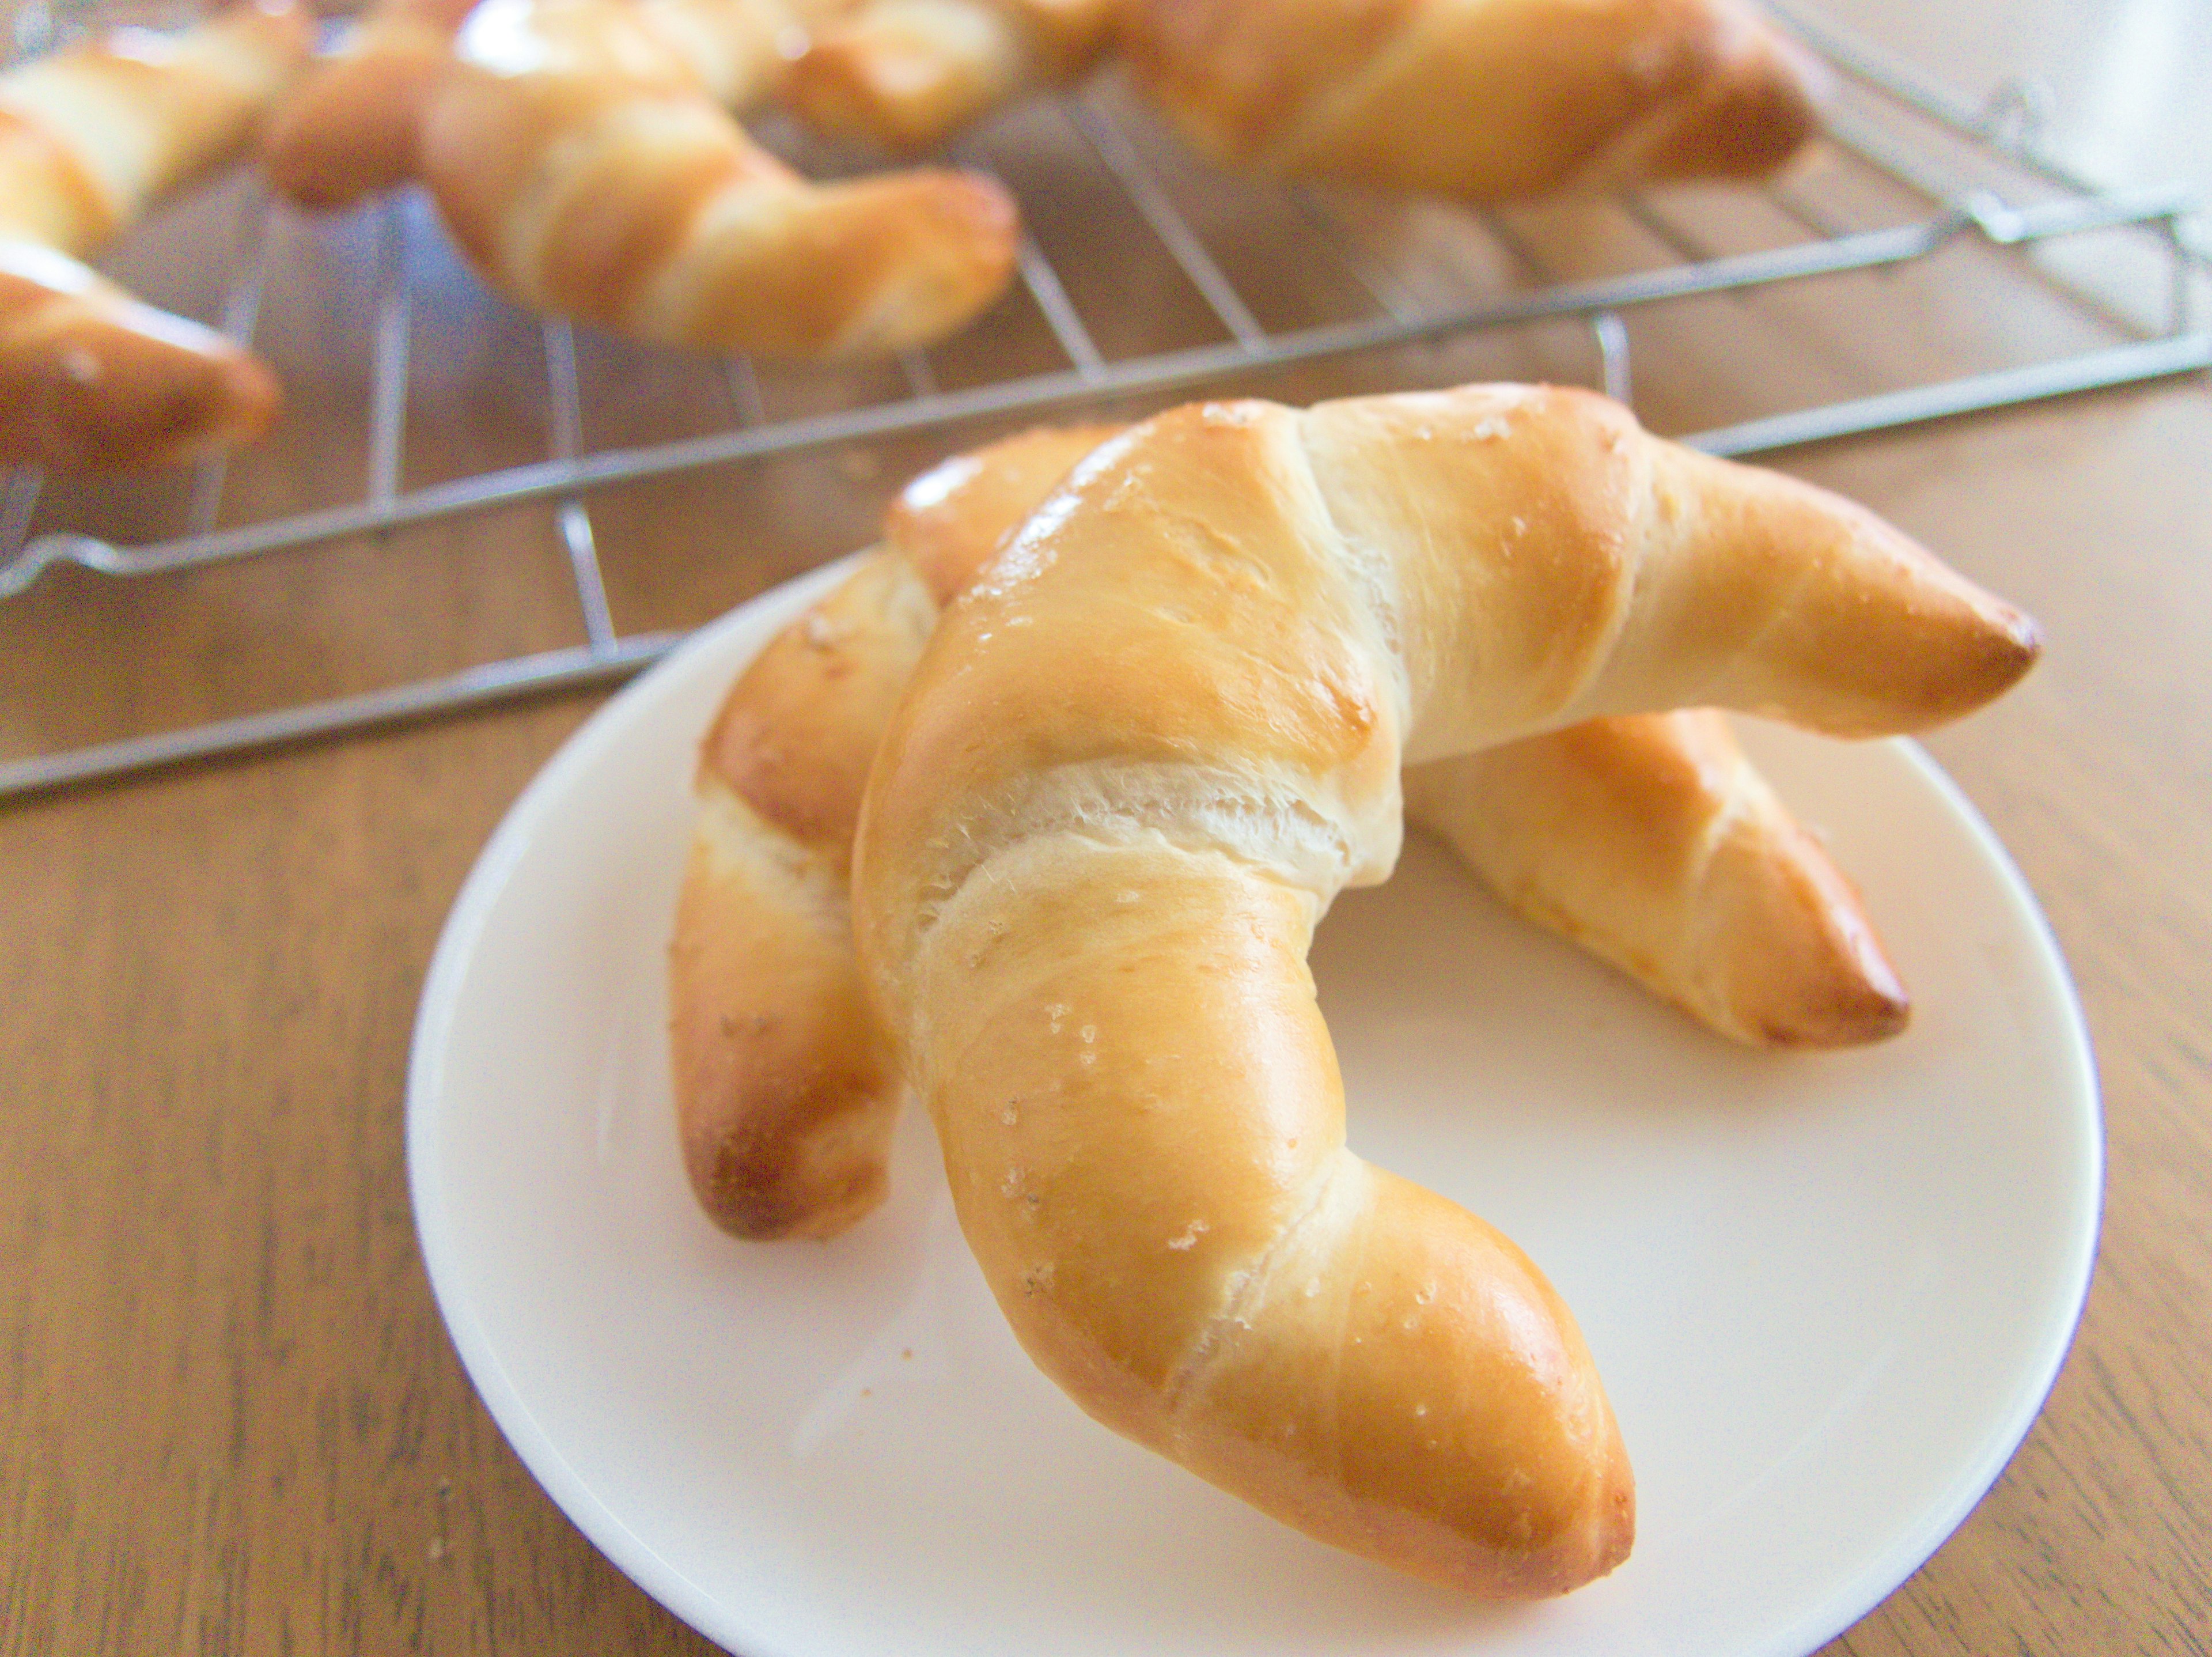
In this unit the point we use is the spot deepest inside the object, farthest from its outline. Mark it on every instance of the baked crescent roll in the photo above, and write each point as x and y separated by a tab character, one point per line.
351	128
1132	768
1484	100
577	151
1649	839
90	138
911	73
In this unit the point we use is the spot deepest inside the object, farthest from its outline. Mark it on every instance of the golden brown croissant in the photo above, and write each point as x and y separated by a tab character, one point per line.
1133	767
90	137
351	128
1650	839
911	73
1480	99
578	153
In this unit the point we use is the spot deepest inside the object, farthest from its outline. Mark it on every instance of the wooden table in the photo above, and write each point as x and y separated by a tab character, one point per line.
230	1419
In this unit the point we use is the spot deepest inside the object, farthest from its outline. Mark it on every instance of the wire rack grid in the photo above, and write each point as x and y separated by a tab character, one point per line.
1980	175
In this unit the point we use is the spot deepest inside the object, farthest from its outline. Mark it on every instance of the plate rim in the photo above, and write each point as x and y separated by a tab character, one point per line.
705	1611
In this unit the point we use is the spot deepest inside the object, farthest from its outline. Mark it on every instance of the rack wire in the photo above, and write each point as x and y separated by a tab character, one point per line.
1982	173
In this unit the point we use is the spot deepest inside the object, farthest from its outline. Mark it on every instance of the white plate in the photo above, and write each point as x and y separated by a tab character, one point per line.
1828	1294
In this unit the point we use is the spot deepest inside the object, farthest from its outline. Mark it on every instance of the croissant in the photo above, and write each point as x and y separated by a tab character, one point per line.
1132	768
351	128
1484	100
1649	839
90	138
911	73
577	151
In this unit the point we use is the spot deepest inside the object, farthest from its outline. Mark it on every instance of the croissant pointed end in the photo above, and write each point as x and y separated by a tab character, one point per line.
1596	1542
1760	104
1989	657
947	241
1613	1519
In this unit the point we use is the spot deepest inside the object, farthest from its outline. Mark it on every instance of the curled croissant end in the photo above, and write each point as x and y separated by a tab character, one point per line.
785	1090
910	74
91	378
1134	766
1750	103
1652	841
1477	101
655	215
858	268
350	129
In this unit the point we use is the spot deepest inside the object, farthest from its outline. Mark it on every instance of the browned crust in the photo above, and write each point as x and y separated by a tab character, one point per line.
795	734
352	128
1752	103
90	379
785	1093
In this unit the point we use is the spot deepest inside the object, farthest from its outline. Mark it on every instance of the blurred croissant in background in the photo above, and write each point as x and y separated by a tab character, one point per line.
90	137
584	154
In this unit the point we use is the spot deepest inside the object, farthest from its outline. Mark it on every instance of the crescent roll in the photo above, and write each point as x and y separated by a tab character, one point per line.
1649	839
579	154
1483	101
90	138
351	129
1133	767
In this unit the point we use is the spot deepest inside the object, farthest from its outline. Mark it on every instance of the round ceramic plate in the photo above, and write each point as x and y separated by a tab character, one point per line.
1828	1293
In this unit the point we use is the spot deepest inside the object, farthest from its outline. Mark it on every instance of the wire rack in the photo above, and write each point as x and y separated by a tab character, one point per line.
1977	177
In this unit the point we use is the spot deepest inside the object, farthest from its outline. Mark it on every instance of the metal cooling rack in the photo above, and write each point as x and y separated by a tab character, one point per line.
1971	166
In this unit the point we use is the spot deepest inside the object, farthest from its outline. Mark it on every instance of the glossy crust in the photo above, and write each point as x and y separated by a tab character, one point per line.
1135	764
910	74
949	521
1483	101
90	138
577	153
1648	839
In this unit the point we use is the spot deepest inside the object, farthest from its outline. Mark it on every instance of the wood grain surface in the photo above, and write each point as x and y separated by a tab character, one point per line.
230	1419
